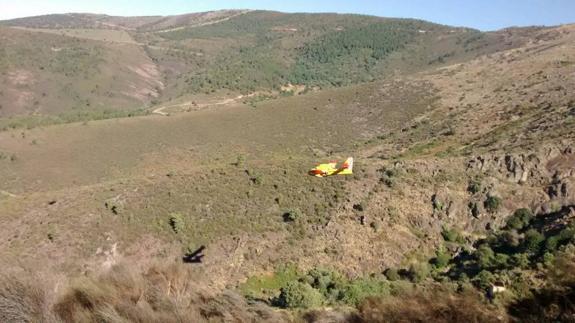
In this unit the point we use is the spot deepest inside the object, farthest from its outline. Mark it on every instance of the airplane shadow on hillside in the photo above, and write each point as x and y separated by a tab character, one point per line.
194	257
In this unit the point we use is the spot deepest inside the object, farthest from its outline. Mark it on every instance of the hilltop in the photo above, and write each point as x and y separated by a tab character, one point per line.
73	67
464	176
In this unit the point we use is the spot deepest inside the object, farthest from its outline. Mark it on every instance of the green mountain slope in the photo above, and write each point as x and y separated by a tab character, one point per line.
74	66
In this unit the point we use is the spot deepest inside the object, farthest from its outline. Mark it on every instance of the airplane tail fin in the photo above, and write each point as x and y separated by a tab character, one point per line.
347	166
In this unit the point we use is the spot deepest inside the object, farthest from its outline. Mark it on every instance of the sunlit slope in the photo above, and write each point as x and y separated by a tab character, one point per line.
449	151
331	121
84	67
145	23
47	74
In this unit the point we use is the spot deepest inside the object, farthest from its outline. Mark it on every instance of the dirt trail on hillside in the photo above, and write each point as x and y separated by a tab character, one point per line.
8	194
197	106
207	23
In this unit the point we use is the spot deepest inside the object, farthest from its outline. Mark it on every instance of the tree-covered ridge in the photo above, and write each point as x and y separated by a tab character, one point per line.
347	56
265	50
271	24
380	38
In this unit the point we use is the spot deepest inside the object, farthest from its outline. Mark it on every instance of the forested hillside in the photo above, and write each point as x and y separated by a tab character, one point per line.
193	57
265	50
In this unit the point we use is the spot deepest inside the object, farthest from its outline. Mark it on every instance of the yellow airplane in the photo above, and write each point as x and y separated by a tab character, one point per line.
329	169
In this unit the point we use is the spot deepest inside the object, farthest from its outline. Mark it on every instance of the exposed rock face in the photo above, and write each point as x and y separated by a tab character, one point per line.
414	200
551	169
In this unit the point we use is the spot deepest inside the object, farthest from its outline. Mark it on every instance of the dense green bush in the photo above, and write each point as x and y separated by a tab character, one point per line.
520	219
292	215
533	242
485	256
474	187
484	279
325	281
441	259
564	236
297	294
356	291
552	243
520	260
492	203
336	289
451	235
506	241
501	261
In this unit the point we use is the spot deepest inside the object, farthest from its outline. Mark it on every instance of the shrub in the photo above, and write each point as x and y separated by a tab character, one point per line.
501	260
438	205
177	222
552	243
257	179
161	294
292	215
391	173
548	259
533	242
474	187
321	280
507	241
474	209
451	235
392	274
240	159
485	257
299	295
358	290
567	234
520	219
389	182
441	259
492	203
388	177
484	279
418	272
362	206
521	260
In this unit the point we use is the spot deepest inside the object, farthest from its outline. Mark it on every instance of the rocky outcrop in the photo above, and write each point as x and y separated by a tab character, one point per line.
550	170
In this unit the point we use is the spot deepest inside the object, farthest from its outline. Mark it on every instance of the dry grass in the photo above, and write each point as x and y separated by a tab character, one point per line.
23	300
438	306
171	293
162	294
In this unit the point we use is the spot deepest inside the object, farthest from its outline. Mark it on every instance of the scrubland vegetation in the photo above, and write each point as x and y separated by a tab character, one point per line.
460	207
172	294
30	122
